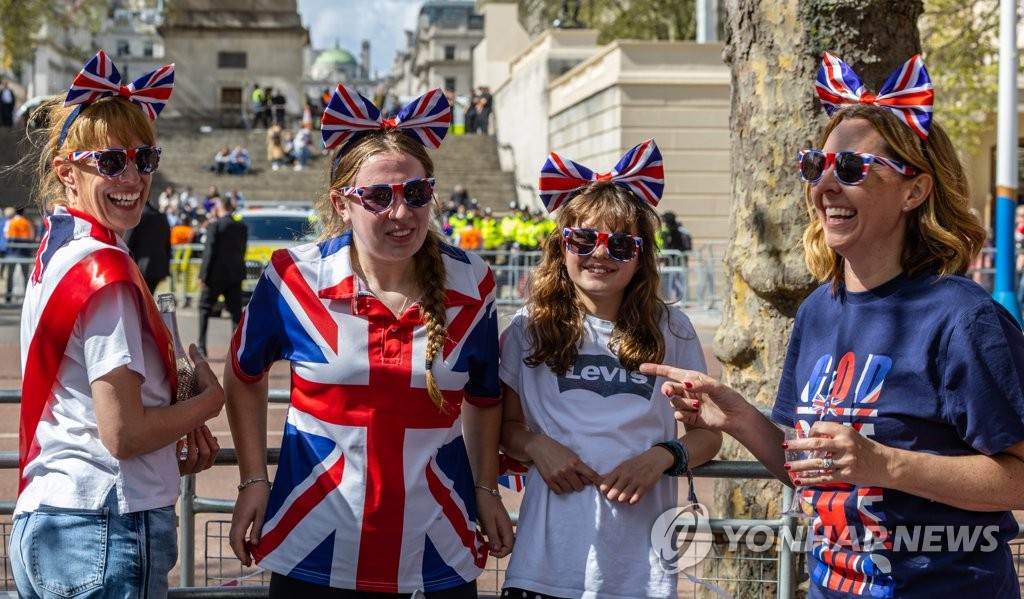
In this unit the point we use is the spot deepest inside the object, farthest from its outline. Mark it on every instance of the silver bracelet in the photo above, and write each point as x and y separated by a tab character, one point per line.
488	489
253	481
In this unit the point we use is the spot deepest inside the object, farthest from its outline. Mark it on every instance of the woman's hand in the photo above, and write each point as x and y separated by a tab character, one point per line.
697	398
847	456
630	480
495	523
202	451
247	520
561	469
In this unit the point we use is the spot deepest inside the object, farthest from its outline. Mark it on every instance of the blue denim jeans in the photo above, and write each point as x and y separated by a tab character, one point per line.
57	552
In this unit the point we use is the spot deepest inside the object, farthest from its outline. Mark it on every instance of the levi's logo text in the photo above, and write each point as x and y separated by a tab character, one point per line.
604	376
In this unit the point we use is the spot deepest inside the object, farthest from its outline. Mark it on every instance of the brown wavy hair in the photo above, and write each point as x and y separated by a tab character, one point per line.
942	234
105	118
556	313
429	264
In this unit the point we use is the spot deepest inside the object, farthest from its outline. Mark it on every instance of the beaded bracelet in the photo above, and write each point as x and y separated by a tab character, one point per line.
680	465
253	481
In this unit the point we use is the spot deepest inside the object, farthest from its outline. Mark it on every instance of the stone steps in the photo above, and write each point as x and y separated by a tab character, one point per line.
470	160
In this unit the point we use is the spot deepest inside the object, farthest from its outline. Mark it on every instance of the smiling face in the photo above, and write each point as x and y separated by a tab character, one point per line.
866	223
392	237
600	280
116	203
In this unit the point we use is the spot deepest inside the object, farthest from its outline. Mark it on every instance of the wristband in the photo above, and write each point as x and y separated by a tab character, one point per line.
681	465
680	455
488	489
253	481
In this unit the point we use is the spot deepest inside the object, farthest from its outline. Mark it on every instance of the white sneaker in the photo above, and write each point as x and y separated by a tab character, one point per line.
276	166
298	167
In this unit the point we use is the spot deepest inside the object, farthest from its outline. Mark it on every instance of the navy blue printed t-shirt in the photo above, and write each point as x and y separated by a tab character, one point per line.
930	364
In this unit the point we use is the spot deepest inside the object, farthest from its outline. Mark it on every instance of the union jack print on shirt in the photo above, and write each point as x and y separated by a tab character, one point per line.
374	490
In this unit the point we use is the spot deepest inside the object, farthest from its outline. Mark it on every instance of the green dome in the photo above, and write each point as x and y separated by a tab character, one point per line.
334	59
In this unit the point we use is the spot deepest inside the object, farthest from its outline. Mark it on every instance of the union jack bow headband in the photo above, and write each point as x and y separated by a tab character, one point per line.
640	170
100	78
349	116
907	93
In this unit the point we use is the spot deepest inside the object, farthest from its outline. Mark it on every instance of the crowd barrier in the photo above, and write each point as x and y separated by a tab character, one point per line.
693	279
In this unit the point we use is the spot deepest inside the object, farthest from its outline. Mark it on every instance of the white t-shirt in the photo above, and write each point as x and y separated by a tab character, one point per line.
74	468
581	544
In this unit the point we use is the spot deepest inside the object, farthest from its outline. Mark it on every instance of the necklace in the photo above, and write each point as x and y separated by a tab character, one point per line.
380	296
406	298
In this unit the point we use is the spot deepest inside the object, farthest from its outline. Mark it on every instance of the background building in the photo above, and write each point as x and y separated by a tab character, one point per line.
441	49
225	48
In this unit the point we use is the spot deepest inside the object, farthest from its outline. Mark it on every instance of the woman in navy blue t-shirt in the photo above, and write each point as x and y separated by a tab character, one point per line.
909	376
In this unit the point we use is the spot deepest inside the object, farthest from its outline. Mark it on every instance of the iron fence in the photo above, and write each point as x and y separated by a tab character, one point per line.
690	278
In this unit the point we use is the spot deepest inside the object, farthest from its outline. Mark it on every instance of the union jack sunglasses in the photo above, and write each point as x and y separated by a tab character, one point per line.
417	193
584	242
112	162
850	167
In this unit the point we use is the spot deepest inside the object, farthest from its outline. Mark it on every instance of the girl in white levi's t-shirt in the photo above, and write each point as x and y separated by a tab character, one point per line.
578	411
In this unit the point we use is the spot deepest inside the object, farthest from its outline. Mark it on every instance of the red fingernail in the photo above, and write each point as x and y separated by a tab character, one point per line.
688	384
786	466
696	404
785	445
796	481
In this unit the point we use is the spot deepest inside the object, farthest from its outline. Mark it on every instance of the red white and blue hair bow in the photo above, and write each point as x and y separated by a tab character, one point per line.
640	170
907	93
100	78
349	116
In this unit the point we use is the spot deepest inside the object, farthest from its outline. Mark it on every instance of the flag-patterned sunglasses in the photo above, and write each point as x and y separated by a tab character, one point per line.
112	162
417	193
850	167
620	246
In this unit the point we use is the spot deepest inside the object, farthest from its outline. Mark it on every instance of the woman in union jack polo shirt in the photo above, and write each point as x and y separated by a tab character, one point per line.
392	339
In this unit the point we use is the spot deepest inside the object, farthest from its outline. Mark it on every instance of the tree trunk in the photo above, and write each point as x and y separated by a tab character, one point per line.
774	50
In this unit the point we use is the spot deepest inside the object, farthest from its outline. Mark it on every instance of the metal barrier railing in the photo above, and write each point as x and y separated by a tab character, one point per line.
689	278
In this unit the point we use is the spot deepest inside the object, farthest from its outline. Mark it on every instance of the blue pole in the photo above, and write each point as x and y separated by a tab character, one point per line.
1006	205
1006	159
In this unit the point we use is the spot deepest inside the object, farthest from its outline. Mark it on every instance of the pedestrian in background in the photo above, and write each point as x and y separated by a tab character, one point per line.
7	102
18	236
259	106
223	267
150	245
275	146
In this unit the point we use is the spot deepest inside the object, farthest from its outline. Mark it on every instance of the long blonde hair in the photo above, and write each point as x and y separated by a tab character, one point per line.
96	123
942	233
429	264
555	327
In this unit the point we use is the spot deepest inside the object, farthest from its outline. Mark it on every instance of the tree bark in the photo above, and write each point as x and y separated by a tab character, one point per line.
774	50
